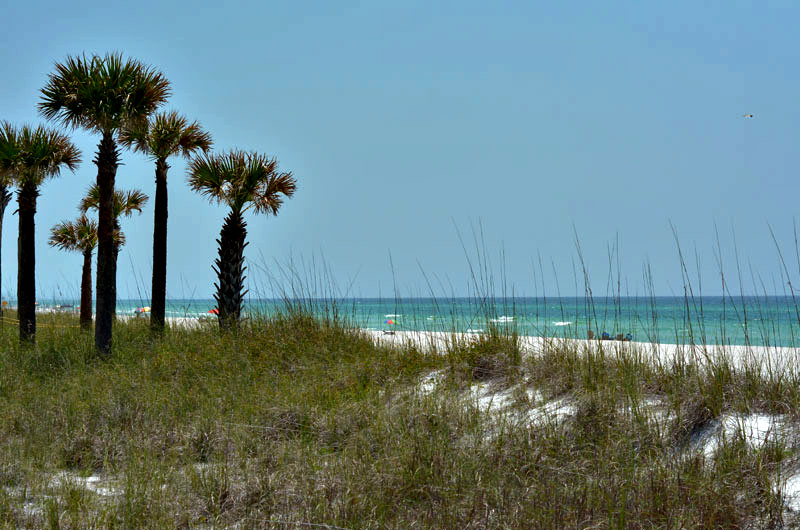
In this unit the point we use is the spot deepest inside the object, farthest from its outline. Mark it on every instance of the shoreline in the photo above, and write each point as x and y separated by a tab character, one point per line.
769	326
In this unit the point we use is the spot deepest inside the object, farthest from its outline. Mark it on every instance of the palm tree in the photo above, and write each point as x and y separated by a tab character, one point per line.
166	134
124	204
79	236
31	156
103	95
242	181
6	181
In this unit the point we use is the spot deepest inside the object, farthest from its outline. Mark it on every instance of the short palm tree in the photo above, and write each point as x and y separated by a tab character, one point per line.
166	134
79	236
242	181
124	204
103	94
31	156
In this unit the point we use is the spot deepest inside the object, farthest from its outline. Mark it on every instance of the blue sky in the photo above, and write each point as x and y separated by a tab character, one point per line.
406	123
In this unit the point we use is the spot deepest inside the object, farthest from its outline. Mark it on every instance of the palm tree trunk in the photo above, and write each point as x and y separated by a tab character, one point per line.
86	291
159	286
114	283
107	160
230	270
26	270
5	198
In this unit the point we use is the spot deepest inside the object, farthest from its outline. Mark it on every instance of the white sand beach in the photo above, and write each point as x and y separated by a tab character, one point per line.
767	359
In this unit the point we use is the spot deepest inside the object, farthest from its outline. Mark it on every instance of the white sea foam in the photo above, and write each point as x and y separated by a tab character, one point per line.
502	319
479	330
562	323
393	316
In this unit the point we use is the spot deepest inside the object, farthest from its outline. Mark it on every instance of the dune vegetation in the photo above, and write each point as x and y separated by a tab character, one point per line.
293	421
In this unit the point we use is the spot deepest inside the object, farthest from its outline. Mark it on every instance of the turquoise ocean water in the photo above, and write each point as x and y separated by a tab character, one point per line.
765	320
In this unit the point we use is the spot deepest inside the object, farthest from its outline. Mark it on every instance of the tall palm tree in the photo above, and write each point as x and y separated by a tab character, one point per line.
79	236
6	182
103	94
124	204
31	156
242	181
166	134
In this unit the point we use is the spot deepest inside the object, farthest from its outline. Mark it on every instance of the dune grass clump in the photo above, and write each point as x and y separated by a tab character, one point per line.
485	357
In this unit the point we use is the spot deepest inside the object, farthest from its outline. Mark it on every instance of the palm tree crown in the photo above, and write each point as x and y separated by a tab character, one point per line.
242	180
102	94
79	235
125	202
166	134
31	155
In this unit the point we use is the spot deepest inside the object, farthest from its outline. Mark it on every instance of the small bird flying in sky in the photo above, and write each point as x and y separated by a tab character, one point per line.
748	115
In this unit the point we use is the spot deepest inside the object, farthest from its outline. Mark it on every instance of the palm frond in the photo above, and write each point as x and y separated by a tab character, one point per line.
9	150
207	177
131	201
90	201
194	139
269	195
61	96
135	136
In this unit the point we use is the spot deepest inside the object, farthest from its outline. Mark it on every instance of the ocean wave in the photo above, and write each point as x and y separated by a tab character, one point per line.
479	330
393	316
562	323
502	319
